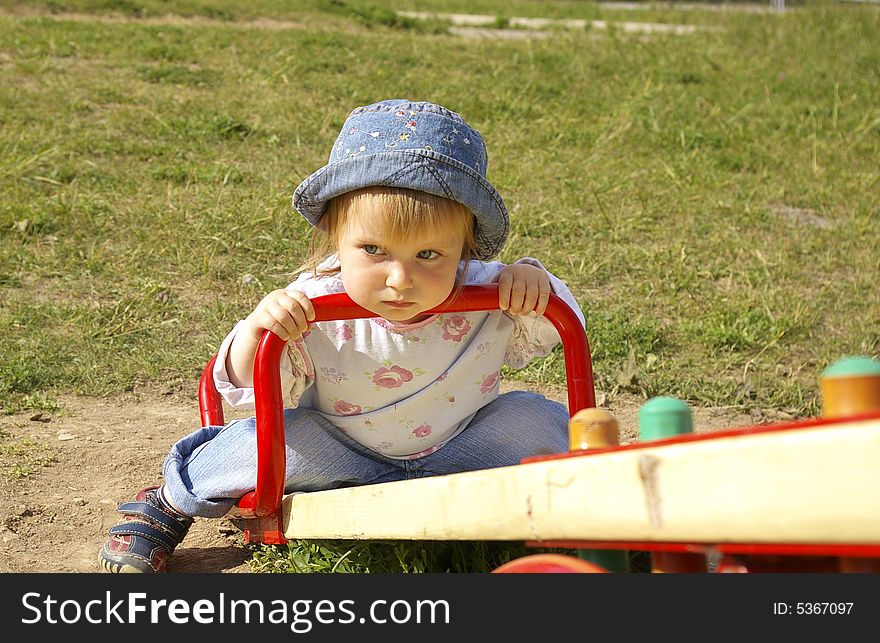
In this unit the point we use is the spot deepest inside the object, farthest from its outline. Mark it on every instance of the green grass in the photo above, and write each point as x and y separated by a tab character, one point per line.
400	557
712	199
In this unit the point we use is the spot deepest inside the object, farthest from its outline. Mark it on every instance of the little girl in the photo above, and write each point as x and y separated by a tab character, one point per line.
403	216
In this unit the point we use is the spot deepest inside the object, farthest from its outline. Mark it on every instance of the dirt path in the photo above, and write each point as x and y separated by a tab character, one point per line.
106	449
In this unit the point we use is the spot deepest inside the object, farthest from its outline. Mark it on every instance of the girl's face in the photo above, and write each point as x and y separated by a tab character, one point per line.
397	279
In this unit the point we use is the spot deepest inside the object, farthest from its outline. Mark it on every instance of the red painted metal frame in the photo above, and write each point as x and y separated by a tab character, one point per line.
760	549
263	504
265	500
210	403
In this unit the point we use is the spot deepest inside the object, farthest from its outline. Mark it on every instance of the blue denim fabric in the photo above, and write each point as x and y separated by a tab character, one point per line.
207	471
415	145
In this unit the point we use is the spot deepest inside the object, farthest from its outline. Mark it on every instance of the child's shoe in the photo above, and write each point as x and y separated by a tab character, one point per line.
146	535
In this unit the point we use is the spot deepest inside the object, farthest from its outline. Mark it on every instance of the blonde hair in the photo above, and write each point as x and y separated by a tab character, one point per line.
401	211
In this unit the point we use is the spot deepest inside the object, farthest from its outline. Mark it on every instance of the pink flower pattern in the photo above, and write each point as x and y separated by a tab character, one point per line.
393	377
344	333
489	383
455	327
422	431
341	407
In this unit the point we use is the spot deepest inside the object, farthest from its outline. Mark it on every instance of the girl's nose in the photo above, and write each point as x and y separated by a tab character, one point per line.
399	276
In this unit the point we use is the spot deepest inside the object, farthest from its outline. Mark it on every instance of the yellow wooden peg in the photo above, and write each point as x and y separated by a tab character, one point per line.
592	428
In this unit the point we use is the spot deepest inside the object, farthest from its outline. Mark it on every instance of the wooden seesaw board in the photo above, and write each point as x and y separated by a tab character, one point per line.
809	482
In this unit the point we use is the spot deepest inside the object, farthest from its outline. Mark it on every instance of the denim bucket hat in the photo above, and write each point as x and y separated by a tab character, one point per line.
415	145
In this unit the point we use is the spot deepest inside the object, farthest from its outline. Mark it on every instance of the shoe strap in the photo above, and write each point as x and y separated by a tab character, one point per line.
145	531
174	525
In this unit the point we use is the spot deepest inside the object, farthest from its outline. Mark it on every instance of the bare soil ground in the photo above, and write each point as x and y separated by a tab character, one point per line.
105	450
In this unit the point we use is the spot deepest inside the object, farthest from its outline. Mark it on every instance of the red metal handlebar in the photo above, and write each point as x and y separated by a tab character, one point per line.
266	498
210	402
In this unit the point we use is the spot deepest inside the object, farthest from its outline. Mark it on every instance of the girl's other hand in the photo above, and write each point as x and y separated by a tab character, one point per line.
522	289
285	313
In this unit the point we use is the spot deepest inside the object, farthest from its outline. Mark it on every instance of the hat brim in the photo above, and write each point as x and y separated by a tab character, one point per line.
415	169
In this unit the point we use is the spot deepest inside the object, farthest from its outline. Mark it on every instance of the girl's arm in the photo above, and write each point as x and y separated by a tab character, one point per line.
533	335
286	313
497	272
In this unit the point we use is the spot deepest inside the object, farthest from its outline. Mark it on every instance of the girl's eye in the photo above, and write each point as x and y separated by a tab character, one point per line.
371	249
427	254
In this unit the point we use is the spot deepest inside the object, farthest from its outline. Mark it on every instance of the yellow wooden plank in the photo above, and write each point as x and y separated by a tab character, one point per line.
819	484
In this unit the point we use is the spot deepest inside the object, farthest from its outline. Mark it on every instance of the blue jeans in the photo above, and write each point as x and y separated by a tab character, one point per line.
209	470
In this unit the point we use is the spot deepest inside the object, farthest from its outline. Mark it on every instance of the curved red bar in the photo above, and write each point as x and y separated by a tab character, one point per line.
210	404
266	498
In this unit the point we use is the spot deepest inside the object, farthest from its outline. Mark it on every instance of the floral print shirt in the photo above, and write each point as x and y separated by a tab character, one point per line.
404	390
